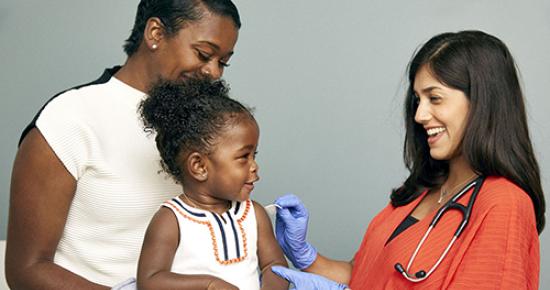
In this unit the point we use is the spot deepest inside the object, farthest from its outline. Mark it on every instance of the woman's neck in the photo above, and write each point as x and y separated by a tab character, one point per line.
135	73
459	171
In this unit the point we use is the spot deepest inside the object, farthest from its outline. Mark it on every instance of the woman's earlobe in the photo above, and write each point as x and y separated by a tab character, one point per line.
153	33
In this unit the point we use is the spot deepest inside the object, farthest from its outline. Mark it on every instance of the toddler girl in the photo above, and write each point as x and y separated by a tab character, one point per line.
212	236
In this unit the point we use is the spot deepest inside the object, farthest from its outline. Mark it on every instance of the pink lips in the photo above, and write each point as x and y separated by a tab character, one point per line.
249	186
433	139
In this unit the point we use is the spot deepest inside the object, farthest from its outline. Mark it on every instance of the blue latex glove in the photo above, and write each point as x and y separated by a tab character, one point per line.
307	281
129	284
291	230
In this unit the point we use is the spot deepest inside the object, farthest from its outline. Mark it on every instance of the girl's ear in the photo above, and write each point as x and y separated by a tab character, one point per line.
153	33
196	165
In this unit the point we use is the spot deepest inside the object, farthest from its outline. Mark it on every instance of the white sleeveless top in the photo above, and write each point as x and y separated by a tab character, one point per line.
224	245
96	133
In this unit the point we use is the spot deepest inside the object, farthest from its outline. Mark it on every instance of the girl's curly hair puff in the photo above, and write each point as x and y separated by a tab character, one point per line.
188	117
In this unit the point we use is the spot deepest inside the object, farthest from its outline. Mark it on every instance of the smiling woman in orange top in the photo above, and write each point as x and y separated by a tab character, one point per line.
466	141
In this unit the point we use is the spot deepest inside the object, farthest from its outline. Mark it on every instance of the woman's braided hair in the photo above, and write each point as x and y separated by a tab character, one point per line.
174	14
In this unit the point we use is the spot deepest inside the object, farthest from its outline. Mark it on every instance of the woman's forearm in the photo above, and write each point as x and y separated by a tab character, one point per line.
170	280
339	271
47	275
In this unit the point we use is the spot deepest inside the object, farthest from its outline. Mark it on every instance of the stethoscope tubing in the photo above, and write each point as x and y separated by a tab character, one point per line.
451	204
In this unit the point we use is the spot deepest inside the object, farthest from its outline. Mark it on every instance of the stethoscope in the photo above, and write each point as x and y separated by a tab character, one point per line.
451	204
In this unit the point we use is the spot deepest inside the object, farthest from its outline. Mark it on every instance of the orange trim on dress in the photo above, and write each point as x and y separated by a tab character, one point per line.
213	236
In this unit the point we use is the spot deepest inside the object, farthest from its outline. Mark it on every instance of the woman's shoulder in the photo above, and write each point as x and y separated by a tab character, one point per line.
82	90
383	215
504	206
501	193
94	92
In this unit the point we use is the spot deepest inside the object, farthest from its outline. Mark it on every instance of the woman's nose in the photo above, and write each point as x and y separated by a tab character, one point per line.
212	70
422	115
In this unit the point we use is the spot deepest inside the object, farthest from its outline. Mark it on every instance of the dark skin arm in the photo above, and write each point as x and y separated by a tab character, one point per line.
157	254
269	252
41	193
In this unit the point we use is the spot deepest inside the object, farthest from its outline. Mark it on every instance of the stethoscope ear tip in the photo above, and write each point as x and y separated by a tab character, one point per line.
420	274
399	268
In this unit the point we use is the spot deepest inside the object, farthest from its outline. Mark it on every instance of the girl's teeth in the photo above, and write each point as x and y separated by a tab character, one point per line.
434	131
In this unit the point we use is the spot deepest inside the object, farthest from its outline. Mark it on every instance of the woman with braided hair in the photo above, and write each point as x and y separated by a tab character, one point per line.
86	180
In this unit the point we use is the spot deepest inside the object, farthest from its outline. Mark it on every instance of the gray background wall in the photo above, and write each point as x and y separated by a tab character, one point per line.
326	78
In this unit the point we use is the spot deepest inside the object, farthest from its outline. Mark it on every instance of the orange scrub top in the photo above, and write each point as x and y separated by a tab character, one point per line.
499	248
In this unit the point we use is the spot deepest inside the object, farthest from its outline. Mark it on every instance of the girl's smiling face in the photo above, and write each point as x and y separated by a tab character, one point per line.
232	168
443	112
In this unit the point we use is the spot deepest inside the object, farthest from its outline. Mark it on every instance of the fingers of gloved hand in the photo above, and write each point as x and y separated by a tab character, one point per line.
280	230
280	226
283	221
291	231
303	281
290	228
287	200
289	220
290	275
284	214
129	284
293	203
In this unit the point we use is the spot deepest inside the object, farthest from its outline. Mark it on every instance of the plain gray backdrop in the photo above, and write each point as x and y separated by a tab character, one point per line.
326	79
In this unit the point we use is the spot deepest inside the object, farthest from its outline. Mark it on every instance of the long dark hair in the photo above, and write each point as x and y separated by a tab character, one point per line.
174	14
496	138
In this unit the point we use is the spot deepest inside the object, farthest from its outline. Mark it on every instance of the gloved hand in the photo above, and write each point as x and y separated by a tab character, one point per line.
129	284
291	230
307	281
